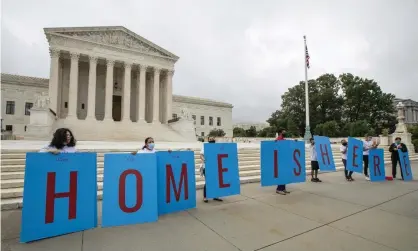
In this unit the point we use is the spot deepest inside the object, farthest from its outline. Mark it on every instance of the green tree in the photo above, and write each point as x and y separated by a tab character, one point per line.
252	132
238	132
348	101
329	129
364	100
217	133
268	132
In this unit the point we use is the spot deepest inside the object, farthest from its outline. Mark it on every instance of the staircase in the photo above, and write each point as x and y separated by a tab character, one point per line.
13	171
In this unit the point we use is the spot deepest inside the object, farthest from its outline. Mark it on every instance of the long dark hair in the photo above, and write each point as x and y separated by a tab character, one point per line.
145	143
60	136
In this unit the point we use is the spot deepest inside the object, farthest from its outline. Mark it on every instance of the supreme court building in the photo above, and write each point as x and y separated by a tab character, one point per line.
109	83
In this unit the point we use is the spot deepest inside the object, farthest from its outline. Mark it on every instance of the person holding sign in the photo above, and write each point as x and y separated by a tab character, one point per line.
63	141
393	149
314	162
147	148
281	189
343	150
202	169
367	145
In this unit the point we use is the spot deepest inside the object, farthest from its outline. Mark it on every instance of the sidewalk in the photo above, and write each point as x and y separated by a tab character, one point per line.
332	215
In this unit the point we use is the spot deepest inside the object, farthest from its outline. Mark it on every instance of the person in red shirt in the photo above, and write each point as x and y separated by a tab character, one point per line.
281	189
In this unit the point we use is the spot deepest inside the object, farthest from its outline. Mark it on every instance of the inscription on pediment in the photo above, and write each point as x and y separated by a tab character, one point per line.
117	38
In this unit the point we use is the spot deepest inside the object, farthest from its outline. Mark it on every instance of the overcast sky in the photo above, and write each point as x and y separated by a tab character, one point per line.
247	53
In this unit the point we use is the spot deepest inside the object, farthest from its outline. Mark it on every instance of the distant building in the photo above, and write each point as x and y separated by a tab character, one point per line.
246	126
411	110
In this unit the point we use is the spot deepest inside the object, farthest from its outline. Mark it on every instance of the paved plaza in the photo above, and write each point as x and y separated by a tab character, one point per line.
332	215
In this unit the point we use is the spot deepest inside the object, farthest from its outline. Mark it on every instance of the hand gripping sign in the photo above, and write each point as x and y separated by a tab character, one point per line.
59	195
324	152
376	165
176	181
221	169
282	162
129	189
405	165
355	155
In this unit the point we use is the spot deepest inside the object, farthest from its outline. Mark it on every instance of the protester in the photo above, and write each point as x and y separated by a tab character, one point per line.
343	150
367	145
63	141
281	189
314	162
394	147
147	148
202	169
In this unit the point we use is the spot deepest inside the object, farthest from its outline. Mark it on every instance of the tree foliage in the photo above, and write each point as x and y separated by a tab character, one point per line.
347	105
217	133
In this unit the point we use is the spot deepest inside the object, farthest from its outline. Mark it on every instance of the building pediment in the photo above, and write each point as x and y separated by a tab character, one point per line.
116	36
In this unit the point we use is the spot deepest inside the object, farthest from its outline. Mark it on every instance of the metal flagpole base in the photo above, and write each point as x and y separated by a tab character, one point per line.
308	134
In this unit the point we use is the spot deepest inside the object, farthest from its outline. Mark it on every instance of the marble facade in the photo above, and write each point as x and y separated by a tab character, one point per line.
410	110
106	83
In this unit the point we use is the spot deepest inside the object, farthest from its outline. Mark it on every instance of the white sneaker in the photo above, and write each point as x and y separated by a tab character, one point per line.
367	178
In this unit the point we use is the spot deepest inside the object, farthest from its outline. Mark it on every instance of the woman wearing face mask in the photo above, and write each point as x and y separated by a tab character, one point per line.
147	148
202	170
343	150
63	141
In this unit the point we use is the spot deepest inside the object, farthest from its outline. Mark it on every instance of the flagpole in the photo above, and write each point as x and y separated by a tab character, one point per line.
308	134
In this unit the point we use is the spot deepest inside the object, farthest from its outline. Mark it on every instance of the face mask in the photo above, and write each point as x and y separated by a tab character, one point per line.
397	142
345	144
211	141
151	146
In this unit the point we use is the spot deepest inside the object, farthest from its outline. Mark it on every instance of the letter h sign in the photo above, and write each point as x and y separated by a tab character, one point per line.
324	151
60	194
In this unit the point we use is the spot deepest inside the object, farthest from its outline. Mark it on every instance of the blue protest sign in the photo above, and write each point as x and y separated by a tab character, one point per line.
405	165
355	155
60	194
324	152
129	189
377	165
282	162
176	181
221	169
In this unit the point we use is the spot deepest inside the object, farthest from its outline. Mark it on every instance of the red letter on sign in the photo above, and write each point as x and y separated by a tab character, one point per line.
276	165
376	163
297	152
221	170
183	181
122	191
406	165
324	153
51	196
354	156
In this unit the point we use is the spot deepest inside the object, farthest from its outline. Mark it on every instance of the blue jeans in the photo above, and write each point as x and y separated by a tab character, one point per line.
281	187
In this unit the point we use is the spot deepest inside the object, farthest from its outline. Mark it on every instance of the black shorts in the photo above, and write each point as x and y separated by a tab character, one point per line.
314	165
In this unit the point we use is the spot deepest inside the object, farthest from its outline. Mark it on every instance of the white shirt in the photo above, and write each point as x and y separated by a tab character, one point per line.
65	149
313	153
366	146
343	150
146	150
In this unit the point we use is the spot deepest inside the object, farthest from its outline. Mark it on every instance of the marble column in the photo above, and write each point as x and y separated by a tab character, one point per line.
73	90
126	114
156	99
141	93
169	96
109	90
53	79
91	99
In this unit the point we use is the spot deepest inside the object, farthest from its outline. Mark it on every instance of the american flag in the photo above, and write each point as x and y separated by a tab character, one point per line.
307	56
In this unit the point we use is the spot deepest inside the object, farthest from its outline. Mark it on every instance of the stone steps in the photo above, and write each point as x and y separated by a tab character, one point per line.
13	167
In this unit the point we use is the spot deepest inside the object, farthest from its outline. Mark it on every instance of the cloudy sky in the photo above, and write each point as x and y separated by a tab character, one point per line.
244	52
